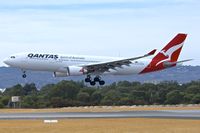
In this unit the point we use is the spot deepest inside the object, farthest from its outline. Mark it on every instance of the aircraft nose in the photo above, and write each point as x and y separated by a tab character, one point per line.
7	61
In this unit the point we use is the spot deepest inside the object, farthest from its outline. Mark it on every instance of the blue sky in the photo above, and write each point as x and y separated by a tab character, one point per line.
98	27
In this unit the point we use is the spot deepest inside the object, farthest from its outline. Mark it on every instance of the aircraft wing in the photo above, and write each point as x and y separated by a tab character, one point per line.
105	66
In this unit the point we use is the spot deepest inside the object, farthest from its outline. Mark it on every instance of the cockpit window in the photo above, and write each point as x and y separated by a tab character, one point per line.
12	57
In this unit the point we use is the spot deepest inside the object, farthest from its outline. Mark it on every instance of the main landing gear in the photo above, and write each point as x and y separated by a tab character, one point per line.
88	79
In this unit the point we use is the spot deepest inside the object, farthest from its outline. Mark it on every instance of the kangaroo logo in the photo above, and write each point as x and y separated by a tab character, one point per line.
168	53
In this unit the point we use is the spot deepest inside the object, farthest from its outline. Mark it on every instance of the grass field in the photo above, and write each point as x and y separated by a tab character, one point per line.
102	109
130	125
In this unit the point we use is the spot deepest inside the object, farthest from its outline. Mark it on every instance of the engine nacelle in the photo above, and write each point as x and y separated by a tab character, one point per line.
60	74
75	71
71	71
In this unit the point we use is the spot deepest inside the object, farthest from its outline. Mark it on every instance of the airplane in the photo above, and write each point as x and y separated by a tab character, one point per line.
77	65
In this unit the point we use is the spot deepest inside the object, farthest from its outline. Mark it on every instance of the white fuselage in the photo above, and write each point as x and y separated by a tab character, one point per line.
59	63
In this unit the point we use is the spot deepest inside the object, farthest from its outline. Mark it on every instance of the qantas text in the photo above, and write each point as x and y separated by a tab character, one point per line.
43	56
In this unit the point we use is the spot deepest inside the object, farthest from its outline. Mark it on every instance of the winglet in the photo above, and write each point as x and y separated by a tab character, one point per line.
152	52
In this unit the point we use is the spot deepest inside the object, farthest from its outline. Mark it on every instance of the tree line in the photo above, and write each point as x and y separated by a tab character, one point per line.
70	93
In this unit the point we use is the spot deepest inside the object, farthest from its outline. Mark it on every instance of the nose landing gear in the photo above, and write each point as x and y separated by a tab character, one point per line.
24	74
88	79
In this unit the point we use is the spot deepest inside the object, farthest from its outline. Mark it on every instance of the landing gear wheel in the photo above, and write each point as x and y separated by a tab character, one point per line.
24	76
101	82
92	83
97	79
88	79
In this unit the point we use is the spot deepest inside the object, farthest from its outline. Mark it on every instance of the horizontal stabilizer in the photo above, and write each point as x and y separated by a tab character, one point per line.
169	64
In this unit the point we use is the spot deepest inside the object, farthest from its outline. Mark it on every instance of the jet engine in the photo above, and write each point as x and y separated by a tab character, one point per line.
76	71
71	71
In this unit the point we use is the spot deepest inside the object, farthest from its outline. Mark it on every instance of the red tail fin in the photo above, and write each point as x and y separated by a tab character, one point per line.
169	53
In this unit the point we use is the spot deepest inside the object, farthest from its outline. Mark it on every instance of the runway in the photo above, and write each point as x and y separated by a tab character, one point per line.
170	114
